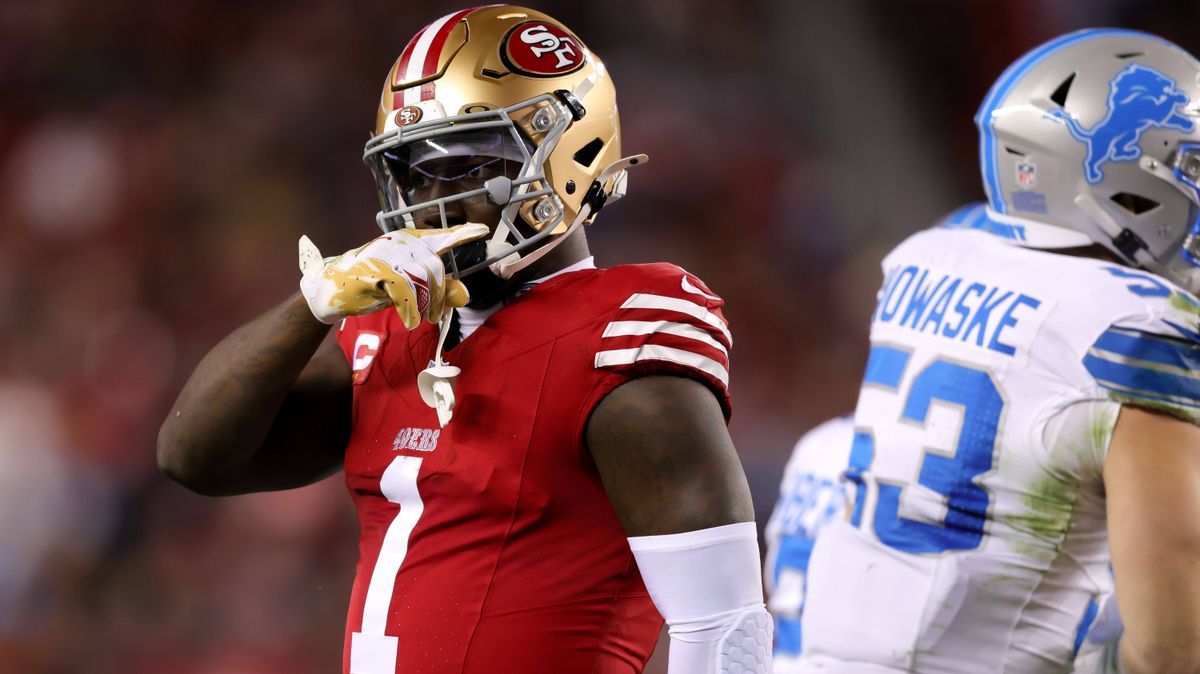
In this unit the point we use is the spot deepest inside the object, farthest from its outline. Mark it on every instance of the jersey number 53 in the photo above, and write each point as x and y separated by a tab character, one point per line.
951	473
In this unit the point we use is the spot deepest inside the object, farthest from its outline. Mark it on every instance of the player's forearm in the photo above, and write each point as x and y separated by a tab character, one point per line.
1180	658
228	405
1162	620
1152	483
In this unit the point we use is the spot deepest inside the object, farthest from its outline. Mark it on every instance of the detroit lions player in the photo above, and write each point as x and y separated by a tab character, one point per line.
811	495
1031	398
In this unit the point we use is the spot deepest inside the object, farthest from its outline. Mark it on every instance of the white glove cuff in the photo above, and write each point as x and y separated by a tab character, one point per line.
707	585
318	304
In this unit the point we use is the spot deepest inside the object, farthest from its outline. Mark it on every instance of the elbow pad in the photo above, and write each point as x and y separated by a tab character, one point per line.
707	585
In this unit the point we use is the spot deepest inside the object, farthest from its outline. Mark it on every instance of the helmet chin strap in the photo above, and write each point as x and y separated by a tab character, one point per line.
514	263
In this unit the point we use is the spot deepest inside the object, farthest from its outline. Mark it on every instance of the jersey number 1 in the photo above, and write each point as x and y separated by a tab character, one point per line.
951	475
371	650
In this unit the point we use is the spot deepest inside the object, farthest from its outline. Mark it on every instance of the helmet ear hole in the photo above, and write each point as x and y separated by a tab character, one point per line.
1134	203
1060	94
587	154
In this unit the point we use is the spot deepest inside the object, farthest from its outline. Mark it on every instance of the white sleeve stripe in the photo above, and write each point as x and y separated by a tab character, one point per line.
665	353
689	288
664	303
628	328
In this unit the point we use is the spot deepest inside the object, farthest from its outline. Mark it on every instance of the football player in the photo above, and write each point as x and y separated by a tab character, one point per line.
536	447
1031	396
811	495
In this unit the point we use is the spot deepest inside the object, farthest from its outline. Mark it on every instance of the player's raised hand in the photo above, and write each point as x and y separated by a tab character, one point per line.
401	269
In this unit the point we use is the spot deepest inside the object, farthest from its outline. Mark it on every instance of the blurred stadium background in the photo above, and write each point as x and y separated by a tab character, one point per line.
159	160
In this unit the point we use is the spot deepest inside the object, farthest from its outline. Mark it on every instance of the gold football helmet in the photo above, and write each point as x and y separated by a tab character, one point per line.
502	104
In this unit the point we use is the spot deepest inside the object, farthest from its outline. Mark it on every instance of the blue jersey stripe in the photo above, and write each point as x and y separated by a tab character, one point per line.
1089	616
1149	347
862	454
1133	397
989	160
1135	381
1185	331
787	637
794	553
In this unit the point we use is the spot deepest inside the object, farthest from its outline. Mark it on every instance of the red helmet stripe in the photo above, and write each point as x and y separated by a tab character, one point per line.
439	41
435	51
420	59
398	77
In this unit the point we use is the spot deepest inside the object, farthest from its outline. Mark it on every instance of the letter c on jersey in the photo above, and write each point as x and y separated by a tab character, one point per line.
366	346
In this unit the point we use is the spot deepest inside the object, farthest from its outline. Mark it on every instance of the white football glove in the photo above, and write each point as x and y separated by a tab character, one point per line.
402	269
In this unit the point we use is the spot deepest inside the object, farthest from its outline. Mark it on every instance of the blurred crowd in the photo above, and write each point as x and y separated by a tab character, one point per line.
158	162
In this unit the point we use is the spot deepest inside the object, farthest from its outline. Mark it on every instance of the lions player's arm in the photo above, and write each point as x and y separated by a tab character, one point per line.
666	459
268	408
1152	480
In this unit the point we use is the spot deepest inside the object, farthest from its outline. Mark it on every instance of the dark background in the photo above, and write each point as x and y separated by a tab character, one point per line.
159	160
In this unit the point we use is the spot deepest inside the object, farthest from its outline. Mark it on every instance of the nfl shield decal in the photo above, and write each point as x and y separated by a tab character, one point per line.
541	49
1026	174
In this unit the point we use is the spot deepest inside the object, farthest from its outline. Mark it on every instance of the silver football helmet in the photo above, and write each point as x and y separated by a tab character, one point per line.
1095	138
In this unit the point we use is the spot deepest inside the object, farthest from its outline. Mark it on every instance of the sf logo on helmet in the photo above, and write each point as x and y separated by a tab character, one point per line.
1139	98
542	41
408	115
542	49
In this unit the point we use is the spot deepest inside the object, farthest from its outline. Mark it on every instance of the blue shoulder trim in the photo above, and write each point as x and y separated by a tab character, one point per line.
975	216
1145	365
965	217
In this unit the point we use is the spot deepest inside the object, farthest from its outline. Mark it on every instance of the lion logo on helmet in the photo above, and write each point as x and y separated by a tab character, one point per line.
1139	98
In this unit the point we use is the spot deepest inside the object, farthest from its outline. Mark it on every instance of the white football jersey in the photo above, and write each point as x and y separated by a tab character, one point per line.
811	495
977	536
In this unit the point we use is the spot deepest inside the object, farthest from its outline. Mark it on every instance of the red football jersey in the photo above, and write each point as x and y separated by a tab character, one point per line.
490	546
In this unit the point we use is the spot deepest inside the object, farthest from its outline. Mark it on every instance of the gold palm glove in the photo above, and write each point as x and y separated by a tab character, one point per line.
402	268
